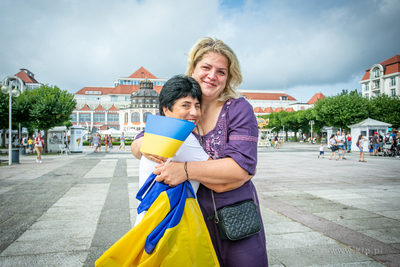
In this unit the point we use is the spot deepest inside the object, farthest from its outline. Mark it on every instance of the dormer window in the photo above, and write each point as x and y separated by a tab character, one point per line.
284	97
377	73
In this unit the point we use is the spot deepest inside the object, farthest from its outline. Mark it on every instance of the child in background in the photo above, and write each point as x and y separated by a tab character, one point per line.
371	148
340	152
321	150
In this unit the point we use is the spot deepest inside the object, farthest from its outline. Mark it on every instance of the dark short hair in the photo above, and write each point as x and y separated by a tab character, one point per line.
178	87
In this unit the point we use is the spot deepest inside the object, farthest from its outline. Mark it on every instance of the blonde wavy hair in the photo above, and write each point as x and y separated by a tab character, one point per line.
206	45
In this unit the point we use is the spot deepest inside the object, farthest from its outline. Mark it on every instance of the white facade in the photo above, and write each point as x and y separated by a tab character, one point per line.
383	78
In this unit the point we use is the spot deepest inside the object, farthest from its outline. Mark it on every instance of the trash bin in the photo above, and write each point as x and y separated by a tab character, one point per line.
15	156
22	150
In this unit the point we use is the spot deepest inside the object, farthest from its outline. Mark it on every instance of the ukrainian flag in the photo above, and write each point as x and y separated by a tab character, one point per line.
172	233
163	136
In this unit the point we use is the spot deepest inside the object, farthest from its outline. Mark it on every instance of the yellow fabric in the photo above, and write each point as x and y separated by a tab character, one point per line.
187	244
160	145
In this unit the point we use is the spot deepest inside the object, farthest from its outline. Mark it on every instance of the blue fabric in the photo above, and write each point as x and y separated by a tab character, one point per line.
177	199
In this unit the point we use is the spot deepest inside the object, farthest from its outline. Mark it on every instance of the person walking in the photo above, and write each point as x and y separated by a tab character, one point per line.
122	140
39	145
340	140
333	146
321	150
95	143
360	143
106	141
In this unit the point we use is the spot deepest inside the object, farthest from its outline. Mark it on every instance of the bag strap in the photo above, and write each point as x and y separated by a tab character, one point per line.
216	219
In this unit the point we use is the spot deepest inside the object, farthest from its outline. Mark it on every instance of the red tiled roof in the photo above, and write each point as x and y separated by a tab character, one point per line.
25	78
142	73
266	96
392	66
86	107
278	109
269	110
99	108
258	110
289	110
124	89
113	108
103	90
315	98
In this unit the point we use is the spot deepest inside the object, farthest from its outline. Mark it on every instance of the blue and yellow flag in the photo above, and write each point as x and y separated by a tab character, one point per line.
172	232
163	136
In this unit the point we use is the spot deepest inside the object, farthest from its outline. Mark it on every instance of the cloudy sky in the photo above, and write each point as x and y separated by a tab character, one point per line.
302	47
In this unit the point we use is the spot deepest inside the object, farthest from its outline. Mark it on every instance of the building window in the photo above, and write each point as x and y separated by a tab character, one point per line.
99	117
127	98
93	92
367	87
126	117
377	93
145	116
367	96
139	101
377	73
112	117
393	81
84	117
135	117
147	101
114	99
283	97
393	92
73	117
154	101
377	84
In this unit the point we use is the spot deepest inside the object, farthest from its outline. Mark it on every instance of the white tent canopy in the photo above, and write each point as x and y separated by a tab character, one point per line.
111	131
131	132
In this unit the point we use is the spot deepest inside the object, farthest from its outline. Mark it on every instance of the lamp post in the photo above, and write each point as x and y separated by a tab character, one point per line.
7	88
311	122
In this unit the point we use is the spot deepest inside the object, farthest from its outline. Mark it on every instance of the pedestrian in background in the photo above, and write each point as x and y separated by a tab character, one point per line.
360	144
95	143
39	144
321	150
348	142
122	140
333	146
375	143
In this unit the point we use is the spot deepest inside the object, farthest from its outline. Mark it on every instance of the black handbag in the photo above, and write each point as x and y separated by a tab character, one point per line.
237	221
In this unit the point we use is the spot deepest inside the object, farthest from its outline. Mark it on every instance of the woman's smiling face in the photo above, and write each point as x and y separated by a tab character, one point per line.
186	108
211	72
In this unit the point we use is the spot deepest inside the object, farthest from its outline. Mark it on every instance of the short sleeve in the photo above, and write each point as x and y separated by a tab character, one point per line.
190	151
242	135
139	135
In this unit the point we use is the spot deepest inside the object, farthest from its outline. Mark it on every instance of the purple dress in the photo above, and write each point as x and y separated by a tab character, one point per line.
235	135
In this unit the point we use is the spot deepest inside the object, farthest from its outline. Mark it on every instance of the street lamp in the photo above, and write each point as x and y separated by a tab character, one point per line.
7	88
311	122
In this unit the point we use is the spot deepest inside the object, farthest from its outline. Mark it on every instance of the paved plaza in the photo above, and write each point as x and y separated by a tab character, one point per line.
317	212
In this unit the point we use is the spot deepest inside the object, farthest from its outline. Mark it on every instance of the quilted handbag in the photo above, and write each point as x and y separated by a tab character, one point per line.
237	221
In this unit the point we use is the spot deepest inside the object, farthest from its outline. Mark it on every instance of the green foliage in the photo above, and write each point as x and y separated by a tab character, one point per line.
341	110
385	108
51	107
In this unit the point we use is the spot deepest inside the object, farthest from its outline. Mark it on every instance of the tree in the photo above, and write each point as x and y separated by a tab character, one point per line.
341	110
385	108
45	107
